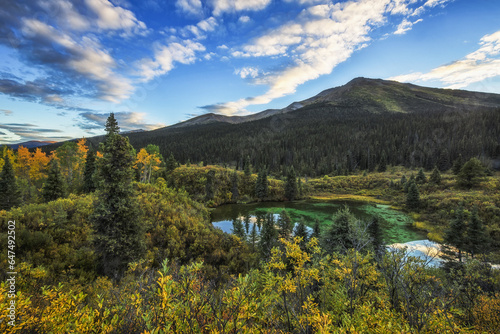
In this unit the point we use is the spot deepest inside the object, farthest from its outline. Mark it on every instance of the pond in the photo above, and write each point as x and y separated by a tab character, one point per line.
396	226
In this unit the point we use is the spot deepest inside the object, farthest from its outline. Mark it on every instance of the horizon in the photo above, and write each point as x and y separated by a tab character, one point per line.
68	64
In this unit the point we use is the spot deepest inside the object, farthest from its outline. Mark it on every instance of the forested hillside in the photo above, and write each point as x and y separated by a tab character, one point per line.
354	127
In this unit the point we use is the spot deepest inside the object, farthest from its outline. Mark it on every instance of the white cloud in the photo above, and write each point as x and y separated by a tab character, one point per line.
245	72
166	56
113	17
191	7
477	66
127	121
86	57
6	112
405	26
232	6
244	19
322	36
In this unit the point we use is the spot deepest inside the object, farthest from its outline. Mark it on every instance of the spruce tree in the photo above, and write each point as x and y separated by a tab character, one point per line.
9	192
316	230
210	186
291	185
54	185
268	236
455	234
435	176
170	164
471	173
337	237
421	178
238	229
119	234
403	181
247	167
262	185
301	231
376	237
89	171
382	166
235	194
477	239
413	196
457	165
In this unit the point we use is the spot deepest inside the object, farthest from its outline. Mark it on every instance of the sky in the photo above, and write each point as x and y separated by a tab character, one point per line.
66	64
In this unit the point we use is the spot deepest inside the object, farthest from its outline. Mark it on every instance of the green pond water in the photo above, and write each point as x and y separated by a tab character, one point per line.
396	226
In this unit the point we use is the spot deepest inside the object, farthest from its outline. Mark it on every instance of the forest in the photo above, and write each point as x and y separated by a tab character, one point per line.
112	235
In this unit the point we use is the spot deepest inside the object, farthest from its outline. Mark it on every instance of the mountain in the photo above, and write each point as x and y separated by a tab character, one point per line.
352	127
31	144
372	95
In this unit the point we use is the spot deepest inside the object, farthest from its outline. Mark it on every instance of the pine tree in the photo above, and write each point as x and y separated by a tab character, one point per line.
408	183
89	171
413	196
435	176
253	237
210	186
268	236
54	185
285	225
382	166
238	229
471	173
291	185
455	234
403	181
247	167
337	237
301	231
316	230
119	234
477	239
170	164
262	185
421	178
9	192
457	165
235	194
376	237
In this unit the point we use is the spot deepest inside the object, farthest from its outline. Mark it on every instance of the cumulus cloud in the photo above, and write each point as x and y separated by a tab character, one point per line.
190	7
245	72
233	6
165	57
477	66
127	121
322	36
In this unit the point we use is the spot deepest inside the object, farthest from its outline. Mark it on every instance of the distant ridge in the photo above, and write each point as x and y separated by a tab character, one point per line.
371	95
31	144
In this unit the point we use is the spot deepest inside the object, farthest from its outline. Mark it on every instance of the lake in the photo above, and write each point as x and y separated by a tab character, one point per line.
396	226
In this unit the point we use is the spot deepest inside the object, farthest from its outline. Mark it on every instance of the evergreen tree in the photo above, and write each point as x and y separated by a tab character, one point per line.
119	235
421	178
171	163
457	165
403	181
382	166
413	196
238	229
409	182
54	185
471	173
316	230
262	185
376	237
435	176
268	236
247	168
455	234
210	186
477	239
285	225
301	231
9	192
235	194
300	190
337	237
253	237
291	185
89	171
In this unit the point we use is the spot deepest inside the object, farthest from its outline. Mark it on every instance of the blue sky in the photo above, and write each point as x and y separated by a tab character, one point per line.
66	64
